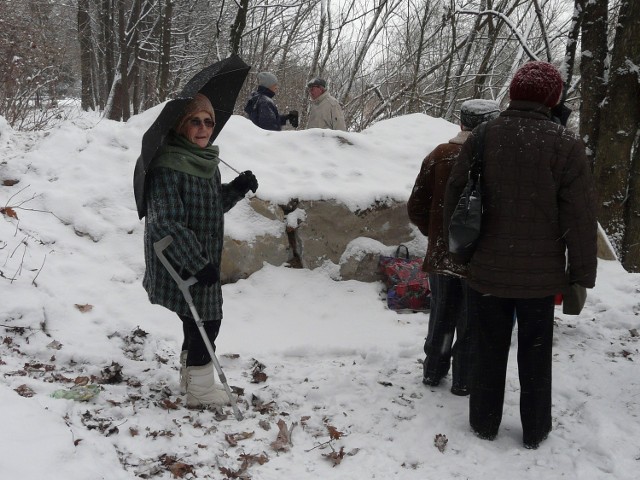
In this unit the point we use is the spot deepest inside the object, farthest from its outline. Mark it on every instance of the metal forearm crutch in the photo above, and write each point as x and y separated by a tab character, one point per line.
184	285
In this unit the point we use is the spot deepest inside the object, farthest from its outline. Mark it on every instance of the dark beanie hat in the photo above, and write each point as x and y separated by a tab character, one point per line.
317	82
539	82
200	103
474	112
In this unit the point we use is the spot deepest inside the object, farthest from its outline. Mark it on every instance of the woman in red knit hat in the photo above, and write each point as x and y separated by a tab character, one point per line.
538	237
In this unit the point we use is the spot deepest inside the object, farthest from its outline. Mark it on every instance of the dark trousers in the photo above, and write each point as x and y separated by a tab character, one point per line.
448	315
198	354
492	326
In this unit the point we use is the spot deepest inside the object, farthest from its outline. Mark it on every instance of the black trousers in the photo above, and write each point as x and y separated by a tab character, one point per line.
193	342
493	320
448	315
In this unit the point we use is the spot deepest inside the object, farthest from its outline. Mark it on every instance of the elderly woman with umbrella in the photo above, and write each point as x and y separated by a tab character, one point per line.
184	198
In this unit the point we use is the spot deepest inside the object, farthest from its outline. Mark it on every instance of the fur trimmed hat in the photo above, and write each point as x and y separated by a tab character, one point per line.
474	112
200	103
539	82
267	79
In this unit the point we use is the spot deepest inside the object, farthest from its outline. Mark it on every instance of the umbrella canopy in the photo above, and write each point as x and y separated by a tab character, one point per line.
221	83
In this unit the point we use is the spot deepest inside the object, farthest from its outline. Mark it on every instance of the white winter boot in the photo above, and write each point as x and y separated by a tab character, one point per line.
183	371
202	390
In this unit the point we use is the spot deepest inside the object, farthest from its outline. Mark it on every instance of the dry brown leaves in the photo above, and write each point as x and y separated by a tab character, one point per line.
9	212
257	373
335	457
334	434
246	461
178	469
233	438
260	407
440	441
84	308
169	405
283	442
25	391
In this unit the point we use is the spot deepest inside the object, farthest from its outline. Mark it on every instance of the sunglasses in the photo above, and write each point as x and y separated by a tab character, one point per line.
197	122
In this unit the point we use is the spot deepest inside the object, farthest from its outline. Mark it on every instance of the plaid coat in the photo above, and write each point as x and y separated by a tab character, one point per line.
190	209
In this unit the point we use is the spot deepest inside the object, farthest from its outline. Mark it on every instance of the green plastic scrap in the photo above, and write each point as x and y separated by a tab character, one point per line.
81	393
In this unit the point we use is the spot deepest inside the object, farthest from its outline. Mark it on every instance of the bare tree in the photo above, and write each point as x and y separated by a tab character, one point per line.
84	40
618	130
593	67
37	68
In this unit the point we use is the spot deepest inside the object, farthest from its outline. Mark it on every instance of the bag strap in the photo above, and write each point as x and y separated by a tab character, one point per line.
478	152
406	251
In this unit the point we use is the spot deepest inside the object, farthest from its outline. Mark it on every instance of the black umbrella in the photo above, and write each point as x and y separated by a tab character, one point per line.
221	83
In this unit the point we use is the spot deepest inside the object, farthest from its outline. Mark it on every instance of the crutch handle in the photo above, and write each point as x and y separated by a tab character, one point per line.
160	246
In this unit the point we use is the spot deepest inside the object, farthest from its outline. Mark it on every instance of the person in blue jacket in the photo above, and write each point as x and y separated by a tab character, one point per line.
262	110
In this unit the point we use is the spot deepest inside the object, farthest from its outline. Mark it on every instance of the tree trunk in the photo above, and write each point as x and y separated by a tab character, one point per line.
165	57
592	69
572	43
618	128
625	61
631	244
125	107
237	29
108	37
84	39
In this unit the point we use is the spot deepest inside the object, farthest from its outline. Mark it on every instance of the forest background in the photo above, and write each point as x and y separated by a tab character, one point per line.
382	59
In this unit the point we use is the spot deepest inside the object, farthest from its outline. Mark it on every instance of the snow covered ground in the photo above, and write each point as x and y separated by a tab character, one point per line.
320	359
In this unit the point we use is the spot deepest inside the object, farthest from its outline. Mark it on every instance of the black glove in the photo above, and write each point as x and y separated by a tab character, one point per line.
244	182
209	275
293	118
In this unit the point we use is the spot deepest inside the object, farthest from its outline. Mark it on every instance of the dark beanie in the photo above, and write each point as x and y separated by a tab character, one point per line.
317	82
537	82
474	112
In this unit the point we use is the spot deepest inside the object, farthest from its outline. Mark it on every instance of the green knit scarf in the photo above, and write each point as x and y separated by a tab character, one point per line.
183	156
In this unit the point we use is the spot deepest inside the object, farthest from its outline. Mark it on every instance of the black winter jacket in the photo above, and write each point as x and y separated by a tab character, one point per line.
539	229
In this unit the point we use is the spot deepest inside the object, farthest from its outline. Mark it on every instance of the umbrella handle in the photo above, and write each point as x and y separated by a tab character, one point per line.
229	166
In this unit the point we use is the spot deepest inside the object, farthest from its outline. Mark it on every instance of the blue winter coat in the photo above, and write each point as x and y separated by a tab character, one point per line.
262	110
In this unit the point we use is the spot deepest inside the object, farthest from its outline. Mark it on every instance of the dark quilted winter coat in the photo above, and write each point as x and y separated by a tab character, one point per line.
262	110
426	203
190	209
538	207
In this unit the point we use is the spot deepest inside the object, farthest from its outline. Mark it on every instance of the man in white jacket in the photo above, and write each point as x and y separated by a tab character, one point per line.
324	111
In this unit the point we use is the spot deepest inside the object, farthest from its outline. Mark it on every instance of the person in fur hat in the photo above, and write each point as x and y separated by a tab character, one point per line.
262	110
186	199
448	315
537	238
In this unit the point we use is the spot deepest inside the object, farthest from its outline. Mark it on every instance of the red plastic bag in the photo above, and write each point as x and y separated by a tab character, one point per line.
407	284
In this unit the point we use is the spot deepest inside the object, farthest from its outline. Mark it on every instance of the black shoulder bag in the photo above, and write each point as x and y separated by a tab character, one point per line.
466	220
